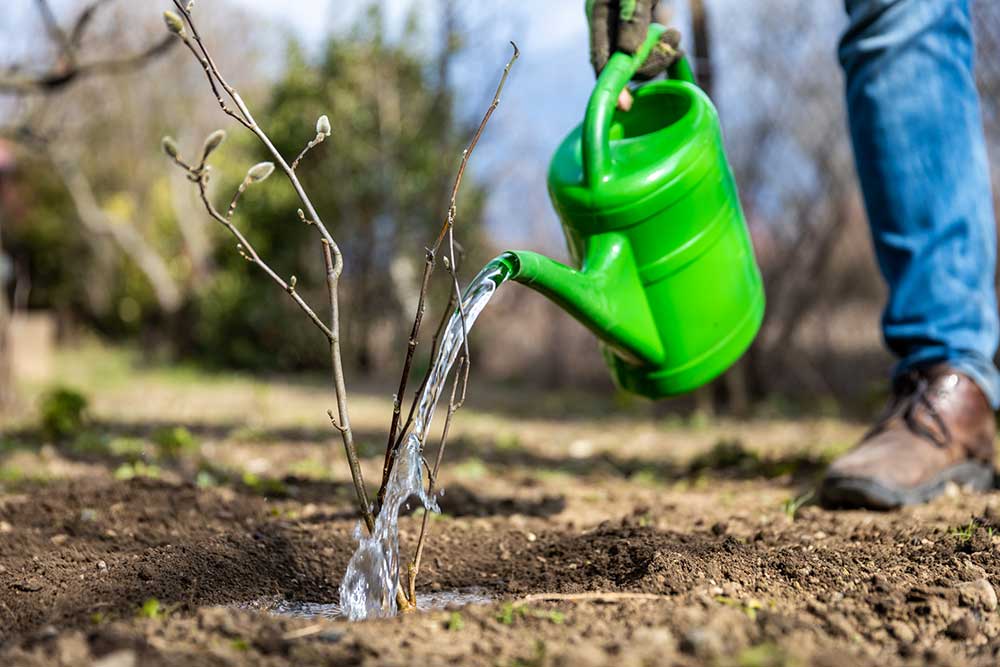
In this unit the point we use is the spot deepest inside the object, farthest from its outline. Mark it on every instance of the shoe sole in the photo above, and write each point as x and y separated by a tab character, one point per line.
863	493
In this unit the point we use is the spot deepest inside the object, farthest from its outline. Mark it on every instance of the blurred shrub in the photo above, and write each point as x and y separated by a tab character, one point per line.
63	413
174	441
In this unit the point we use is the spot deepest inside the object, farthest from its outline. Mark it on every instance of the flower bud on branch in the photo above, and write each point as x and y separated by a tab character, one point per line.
170	147
260	171
212	142
323	126
174	24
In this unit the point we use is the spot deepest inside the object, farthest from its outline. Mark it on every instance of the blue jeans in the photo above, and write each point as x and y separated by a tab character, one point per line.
921	158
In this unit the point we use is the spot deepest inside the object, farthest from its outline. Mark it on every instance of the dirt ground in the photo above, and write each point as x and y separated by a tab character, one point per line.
604	533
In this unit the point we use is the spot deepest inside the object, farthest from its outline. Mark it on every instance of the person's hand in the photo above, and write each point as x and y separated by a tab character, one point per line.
622	25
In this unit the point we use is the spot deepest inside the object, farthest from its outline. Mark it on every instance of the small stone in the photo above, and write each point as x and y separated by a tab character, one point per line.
719	528
702	643
964	627
531	537
59	539
979	594
101	565
902	631
270	641
117	659
5	527
72	649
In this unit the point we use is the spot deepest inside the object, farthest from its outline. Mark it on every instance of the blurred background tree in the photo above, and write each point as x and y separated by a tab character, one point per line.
383	176
103	233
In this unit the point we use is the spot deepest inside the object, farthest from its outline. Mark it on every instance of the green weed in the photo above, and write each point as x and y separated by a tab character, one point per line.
63	412
510	611
127	471
152	608
791	507
172	442
455	622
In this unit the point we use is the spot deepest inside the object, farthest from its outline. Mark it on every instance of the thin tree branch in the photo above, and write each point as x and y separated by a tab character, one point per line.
395	434
250	254
334	267
61	77
330	248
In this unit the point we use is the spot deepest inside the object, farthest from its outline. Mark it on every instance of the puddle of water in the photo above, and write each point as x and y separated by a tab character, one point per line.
425	602
369	586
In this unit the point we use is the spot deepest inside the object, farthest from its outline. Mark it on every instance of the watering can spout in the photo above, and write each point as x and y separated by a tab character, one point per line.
605	295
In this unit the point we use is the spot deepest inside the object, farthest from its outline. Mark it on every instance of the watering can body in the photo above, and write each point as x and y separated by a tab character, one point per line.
664	269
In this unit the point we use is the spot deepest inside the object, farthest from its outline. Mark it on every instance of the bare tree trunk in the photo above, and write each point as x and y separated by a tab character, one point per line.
124	235
702	47
6	376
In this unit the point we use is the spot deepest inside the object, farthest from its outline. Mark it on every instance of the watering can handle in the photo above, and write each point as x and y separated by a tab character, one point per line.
601	107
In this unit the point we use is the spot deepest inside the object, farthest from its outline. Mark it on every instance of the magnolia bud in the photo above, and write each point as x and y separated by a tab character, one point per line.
169	147
323	126
212	142
293	282
260	171
174	23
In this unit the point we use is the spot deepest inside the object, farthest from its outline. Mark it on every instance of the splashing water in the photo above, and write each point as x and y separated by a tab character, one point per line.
369	586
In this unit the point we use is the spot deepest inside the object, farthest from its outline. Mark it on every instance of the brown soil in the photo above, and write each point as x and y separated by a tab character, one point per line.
79	558
662	548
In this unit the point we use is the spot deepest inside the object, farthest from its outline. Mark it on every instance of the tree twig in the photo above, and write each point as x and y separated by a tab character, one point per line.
395	434
330	248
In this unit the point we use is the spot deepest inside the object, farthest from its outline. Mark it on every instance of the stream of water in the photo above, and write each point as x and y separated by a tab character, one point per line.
369	586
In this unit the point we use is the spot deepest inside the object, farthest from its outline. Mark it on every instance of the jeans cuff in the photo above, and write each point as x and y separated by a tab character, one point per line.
982	371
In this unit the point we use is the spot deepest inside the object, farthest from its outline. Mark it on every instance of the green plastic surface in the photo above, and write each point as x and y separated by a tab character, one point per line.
665	273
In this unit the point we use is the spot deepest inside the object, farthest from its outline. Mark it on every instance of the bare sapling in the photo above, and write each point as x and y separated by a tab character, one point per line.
406	599
181	24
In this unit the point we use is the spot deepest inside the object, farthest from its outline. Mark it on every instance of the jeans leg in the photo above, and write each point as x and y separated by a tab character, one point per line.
921	158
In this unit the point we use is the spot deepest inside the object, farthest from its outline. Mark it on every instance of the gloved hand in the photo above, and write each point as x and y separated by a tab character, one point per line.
622	25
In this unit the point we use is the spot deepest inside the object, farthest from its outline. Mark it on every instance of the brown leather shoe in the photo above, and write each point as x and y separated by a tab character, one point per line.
938	428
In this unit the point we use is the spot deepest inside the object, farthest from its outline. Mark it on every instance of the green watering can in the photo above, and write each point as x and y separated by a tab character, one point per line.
666	275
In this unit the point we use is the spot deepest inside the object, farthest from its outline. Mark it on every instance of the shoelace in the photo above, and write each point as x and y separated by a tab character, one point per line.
913	395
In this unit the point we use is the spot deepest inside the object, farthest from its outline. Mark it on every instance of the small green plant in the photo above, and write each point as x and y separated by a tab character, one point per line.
127	471
152	608
510	611
455	622
171	443
240	644
964	534
792	506
63	413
